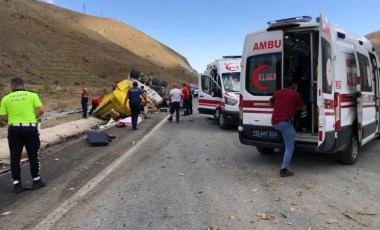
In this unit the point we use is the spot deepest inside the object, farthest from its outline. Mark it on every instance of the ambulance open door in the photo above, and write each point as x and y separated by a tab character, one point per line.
325	88
209	96
374	63
365	96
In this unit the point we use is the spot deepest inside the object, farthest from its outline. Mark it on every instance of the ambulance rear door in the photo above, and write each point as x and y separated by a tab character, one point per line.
375	73
366	101
325	88
209	96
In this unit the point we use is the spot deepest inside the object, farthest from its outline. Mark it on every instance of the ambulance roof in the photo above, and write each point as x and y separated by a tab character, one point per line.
306	22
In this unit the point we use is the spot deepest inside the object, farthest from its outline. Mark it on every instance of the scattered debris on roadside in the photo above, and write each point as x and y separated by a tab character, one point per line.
212	227
264	216
365	213
233	216
354	218
5	213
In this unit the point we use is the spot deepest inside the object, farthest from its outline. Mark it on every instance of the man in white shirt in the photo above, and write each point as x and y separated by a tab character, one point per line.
176	97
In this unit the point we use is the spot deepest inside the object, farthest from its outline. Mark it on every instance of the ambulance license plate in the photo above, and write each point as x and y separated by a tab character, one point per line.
262	133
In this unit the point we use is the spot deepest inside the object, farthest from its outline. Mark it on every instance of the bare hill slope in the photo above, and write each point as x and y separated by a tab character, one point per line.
374	37
58	52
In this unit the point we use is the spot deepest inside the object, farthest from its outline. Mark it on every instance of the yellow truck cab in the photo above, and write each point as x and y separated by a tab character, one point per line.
340	86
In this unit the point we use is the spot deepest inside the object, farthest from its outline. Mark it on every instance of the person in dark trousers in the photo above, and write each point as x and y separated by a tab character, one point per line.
84	102
285	102
135	99
175	99
185	101
95	102
190	104
21	109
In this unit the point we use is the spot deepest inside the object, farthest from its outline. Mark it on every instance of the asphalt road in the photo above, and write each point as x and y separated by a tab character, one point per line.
193	175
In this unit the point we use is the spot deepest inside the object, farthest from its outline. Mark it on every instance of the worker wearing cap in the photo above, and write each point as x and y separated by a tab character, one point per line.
21	109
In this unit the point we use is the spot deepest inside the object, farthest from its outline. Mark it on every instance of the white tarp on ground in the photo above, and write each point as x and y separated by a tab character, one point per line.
128	121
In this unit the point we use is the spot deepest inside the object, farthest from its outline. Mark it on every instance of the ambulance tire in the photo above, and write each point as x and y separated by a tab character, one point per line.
264	150
349	155
219	118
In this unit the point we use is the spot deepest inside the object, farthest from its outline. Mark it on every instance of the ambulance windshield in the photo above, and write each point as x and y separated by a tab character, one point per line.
231	81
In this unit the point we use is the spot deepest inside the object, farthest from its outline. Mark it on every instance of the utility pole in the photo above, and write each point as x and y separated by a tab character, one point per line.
84	8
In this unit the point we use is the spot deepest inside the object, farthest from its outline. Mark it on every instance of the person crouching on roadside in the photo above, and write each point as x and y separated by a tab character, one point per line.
95	102
21	109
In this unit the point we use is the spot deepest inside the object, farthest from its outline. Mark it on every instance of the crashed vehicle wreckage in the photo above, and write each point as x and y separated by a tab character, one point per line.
112	104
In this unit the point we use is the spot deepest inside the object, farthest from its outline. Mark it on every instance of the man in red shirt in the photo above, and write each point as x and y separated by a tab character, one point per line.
186	95
95	102
286	102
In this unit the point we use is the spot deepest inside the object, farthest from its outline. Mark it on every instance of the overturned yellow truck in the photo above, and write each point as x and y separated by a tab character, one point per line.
112	105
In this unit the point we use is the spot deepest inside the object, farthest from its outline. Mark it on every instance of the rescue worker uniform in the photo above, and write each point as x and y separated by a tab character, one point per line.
134	95
19	107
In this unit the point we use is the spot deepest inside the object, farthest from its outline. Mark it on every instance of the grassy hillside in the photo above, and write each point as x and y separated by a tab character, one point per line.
58	52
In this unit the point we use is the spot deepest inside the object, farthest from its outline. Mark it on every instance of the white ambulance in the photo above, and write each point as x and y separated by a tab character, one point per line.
338	73
219	89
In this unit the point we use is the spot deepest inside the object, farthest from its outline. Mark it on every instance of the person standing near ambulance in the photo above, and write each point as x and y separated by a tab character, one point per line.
175	99
21	109
185	101
285	102
190	104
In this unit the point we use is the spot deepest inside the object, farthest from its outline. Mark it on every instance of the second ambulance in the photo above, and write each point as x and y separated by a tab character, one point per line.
219	88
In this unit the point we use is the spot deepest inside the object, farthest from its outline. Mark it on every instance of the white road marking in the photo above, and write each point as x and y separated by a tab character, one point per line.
54	216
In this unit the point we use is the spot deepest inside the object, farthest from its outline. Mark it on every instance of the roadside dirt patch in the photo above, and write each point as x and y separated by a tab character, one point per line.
45	123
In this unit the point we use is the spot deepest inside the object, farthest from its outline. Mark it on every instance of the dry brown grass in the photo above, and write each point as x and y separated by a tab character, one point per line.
58	52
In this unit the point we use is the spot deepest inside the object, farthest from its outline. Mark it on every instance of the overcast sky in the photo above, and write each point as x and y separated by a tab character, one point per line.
205	30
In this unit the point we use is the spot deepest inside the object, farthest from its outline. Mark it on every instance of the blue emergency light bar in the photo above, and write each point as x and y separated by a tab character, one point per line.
290	20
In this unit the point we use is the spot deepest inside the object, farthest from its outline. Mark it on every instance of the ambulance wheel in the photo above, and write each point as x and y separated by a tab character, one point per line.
264	150
349	155
219	118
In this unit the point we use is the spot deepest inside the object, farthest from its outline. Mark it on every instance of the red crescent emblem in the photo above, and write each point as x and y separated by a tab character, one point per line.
255	77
